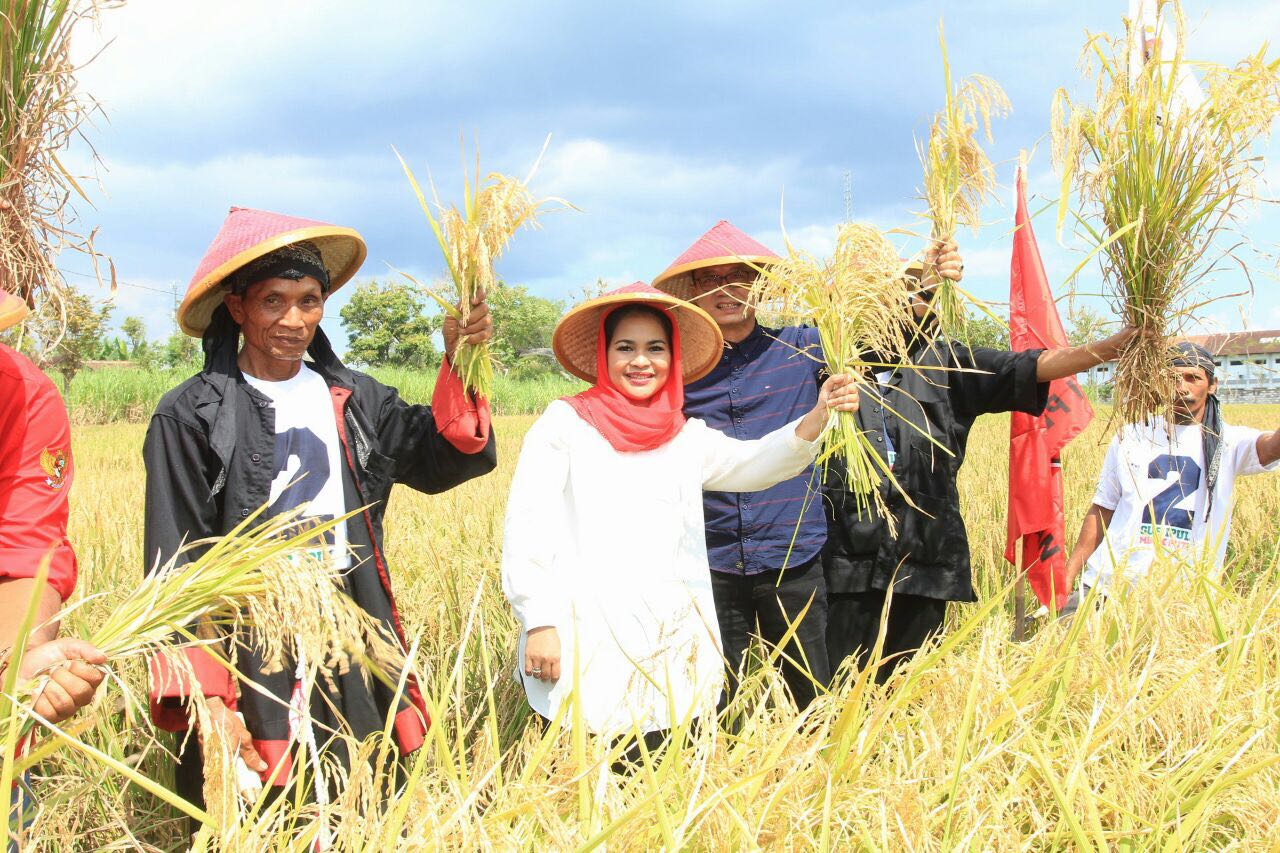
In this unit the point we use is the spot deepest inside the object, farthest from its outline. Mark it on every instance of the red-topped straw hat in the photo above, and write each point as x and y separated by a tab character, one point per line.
12	310
723	244
575	336
247	235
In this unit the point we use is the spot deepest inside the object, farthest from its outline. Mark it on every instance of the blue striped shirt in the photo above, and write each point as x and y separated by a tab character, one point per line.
764	382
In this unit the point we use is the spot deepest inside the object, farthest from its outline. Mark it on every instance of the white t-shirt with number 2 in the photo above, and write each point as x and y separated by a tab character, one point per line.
1156	486
308	455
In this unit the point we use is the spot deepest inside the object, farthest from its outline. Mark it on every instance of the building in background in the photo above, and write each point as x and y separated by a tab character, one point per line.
1248	366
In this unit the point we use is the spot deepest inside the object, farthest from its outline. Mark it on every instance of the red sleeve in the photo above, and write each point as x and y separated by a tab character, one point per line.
460	418
36	470
171	684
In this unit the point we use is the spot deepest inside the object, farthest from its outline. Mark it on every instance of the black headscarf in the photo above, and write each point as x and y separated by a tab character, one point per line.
294	261
1194	355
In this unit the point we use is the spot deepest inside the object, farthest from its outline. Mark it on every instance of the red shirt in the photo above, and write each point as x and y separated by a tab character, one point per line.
35	475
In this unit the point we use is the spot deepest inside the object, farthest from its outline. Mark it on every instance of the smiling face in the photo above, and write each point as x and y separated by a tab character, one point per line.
639	355
722	291
278	318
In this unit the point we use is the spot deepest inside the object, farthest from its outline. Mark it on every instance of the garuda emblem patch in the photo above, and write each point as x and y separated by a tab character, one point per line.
54	464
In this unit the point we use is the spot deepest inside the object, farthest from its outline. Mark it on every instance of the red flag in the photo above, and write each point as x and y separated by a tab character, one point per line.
1035	472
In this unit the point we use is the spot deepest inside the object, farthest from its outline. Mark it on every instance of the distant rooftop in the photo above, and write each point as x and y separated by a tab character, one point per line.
1240	343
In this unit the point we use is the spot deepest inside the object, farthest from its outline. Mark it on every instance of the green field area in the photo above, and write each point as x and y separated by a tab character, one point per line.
129	394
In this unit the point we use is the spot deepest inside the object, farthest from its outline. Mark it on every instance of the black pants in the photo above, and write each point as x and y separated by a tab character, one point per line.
853	623
632	756
765	605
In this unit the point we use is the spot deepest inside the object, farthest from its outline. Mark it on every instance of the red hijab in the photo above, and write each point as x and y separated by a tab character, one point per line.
631	425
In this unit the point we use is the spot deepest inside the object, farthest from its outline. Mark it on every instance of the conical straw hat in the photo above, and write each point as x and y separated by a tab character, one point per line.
723	244
247	235
574	339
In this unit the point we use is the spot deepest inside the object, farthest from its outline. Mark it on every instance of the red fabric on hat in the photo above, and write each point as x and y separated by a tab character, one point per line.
244	228
36	470
1035	473
723	239
633	425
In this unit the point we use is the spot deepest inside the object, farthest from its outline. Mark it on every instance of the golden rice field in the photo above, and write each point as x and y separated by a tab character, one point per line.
1151	724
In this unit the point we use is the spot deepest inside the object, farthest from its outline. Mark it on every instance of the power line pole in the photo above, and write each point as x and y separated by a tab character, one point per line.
173	290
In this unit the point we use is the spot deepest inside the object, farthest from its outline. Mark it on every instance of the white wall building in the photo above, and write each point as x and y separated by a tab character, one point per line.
1248	366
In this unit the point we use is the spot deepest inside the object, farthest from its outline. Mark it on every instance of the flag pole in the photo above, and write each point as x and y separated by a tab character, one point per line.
1020	599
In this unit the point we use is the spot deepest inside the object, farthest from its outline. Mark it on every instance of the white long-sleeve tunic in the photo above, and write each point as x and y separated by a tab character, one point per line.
609	548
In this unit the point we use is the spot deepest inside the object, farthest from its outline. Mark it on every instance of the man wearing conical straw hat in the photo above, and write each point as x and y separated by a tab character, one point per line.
35	481
1168	492
763	548
274	418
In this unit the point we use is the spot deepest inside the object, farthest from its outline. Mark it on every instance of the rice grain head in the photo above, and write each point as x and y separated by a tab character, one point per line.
1159	182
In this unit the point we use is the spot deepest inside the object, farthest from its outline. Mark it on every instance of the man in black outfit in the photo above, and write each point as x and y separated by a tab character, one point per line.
919	423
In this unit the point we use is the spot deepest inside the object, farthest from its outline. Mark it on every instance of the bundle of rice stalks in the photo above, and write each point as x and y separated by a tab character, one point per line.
40	113
1160	179
958	176
260	584
858	302
472	240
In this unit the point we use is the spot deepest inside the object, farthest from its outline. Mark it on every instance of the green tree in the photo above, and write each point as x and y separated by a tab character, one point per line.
136	332
387	324
982	330
1085	325
522	322
180	352
63	339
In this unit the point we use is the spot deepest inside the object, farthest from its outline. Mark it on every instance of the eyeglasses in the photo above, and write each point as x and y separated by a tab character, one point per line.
701	278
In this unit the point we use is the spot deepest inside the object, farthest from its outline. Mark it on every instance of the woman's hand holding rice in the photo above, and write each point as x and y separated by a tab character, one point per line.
839	393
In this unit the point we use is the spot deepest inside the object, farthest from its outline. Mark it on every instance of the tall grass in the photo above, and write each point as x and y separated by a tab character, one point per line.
1160	180
494	208
856	299
958	176
41	112
126	395
1150	724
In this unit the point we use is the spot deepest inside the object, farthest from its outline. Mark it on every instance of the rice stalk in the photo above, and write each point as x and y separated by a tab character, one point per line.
41	112
1160	181
260	580
858	302
260	584
472	240
958	175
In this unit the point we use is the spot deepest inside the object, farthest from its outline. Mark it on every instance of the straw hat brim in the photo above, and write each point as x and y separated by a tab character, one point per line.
574	338
342	249
13	310
678	280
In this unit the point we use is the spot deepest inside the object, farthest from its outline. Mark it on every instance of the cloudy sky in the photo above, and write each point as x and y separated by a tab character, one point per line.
665	117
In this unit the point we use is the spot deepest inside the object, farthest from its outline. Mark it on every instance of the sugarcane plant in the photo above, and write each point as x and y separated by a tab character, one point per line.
472	239
41	112
958	176
858	302
1160	168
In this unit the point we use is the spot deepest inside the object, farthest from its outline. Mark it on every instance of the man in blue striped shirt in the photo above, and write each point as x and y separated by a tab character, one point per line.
764	548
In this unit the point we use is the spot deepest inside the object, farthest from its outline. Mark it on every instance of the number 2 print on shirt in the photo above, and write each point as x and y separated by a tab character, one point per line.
1166	517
